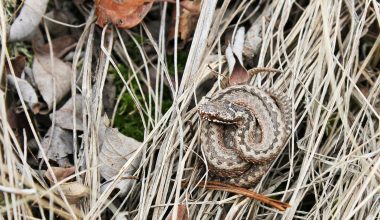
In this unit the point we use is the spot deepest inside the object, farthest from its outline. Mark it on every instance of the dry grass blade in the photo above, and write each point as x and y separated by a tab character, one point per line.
329	57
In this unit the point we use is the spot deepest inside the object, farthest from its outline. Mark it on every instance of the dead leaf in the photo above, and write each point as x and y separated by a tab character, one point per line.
253	38
239	74
64	116
182	213
234	55
54	28
187	23
239	44
27	92
122	215
59	172
109	95
122	13
103	126
18	64
74	191
58	145
253	42
61	46
49	77
115	152
28	20
193	7
18	122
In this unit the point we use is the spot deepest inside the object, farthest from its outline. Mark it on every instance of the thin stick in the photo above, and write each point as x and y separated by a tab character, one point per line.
215	185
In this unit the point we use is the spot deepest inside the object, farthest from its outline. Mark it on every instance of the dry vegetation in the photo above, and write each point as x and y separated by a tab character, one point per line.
329	52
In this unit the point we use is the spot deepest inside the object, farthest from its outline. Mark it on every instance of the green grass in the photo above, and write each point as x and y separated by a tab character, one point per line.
127	118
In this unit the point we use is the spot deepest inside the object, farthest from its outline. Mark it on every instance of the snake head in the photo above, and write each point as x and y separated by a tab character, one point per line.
219	112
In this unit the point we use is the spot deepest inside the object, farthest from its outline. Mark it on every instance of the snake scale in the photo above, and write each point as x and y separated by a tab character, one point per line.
244	128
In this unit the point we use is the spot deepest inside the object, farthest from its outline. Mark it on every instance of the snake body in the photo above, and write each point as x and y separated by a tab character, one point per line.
243	131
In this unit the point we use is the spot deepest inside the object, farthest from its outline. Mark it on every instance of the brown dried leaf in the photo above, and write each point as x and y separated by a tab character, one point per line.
187	25
57	145
61	46
74	191
193	7
116	151
18	65
45	74
59	172
187	22
182	213
18	122
122	13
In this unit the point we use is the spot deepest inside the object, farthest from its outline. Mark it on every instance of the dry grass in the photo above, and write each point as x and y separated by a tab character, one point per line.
330	169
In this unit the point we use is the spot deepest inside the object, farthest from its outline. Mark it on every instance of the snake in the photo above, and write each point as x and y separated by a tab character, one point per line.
243	130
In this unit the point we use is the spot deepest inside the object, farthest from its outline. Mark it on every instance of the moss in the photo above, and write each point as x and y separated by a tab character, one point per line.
127	118
181	61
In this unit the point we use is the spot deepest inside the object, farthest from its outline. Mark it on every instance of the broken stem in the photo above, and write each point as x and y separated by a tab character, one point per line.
215	185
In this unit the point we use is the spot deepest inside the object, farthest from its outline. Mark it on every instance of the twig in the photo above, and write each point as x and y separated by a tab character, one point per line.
215	185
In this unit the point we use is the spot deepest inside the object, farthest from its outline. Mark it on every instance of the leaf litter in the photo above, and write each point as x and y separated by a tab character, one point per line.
330	66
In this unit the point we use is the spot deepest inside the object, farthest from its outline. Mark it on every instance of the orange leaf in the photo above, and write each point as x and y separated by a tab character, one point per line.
122	13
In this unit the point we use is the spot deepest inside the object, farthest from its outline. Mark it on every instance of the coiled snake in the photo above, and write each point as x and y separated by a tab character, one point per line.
243	130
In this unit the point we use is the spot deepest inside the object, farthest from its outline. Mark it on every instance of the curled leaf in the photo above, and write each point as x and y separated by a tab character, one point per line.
234	56
28	20
122	13
239	74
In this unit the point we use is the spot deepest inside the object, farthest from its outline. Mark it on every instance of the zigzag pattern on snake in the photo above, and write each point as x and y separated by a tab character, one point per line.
243	130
